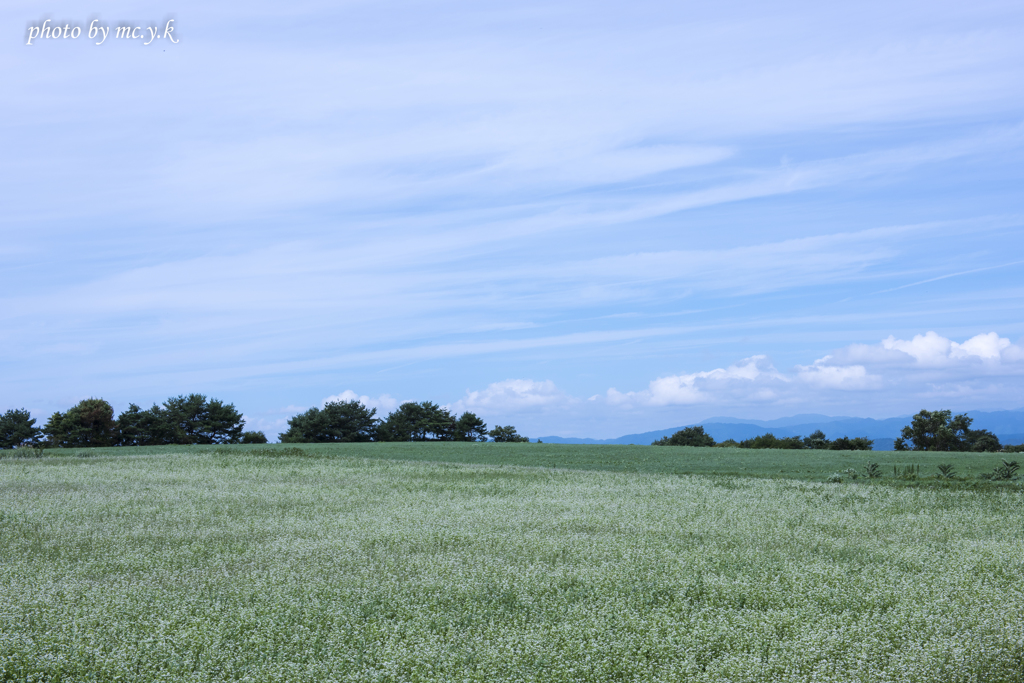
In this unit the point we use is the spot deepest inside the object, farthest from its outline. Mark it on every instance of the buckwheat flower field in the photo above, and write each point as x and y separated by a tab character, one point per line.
209	566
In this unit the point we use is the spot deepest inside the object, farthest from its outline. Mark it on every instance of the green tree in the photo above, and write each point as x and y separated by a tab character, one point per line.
224	424
254	437
89	423
53	429
507	434
441	423
817	441
195	420
933	431
17	427
402	423
424	421
940	430
181	420
138	427
470	428
983	441
689	436
336	422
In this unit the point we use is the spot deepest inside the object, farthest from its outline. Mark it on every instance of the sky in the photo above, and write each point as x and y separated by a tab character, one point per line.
579	218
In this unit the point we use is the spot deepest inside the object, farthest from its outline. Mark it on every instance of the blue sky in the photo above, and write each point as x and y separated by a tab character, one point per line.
581	218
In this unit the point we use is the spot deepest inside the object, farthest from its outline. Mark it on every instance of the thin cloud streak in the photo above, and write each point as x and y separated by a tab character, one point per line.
944	277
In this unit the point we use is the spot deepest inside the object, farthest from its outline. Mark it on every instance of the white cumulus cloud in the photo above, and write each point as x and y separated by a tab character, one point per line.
822	373
933	351
752	379
923	367
511	395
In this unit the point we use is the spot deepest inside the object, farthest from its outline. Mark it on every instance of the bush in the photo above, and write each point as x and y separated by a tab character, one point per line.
908	473
507	434
769	440
1005	472
690	436
845	443
254	437
817	441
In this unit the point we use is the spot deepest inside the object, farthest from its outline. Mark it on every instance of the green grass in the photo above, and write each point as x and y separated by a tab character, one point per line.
772	463
356	564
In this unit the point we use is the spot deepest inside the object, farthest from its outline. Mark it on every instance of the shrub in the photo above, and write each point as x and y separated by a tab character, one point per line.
816	441
769	440
845	443
690	436
1005	472
908	473
507	434
254	437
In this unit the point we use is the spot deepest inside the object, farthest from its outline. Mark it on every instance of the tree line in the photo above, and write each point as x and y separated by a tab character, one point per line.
351	421
937	430
180	420
696	436
194	419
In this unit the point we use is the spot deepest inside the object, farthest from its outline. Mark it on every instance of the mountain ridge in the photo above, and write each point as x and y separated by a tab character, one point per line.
1008	425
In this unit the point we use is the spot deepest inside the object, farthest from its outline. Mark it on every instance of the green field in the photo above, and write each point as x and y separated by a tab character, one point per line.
493	562
809	465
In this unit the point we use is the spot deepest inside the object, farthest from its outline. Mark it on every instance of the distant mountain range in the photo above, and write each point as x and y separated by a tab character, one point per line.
1008	425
